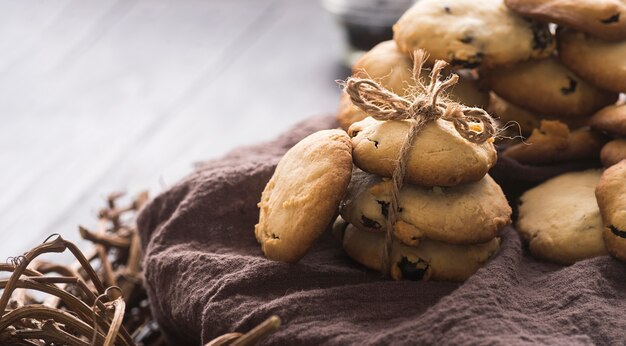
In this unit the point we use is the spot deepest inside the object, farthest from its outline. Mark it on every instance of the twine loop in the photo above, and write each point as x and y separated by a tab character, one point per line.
424	103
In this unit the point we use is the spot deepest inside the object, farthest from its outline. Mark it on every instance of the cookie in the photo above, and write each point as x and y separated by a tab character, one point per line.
348	113
605	19
508	113
547	87
468	33
439	155
387	65
560	218
303	195
553	142
613	152
431	260
465	214
467	92
611	119
611	195
393	70
602	63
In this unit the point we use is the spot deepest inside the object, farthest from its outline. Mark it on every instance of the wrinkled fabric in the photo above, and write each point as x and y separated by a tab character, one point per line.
206	275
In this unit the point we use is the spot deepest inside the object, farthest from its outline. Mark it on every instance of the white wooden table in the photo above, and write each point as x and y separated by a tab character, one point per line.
98	96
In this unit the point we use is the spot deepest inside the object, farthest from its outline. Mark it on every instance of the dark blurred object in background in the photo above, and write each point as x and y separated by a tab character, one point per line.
365	22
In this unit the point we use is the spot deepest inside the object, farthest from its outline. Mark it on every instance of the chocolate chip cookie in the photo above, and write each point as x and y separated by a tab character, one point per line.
468	33
439	155
548	87
602	63
605	19
303	195
611	195
465	214
507	113
611	119
431	260
613	152
560	218
553	142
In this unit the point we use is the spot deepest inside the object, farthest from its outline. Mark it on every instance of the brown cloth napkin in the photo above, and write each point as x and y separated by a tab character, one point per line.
206	276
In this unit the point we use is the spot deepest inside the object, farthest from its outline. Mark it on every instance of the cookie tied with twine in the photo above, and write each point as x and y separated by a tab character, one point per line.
423	104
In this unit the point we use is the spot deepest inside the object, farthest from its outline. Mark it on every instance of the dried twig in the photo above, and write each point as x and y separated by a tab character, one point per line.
84	306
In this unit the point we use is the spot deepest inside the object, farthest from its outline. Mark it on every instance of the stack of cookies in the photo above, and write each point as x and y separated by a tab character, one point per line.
450	211
584	75
544	81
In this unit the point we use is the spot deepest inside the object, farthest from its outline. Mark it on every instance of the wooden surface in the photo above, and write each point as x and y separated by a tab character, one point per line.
97	96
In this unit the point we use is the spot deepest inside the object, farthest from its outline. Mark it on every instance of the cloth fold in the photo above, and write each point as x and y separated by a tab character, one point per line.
206	275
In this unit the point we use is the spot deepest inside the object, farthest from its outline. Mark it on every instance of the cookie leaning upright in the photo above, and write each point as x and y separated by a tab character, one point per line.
611	195
303	195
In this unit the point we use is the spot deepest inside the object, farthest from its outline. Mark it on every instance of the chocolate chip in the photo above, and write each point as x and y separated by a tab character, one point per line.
447	9
472	62
571	88
612	19
617	232
414	271
542	38
375	142
369	223
274	236
466	39
384	207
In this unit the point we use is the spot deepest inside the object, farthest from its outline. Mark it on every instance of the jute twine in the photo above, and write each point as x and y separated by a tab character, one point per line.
425	103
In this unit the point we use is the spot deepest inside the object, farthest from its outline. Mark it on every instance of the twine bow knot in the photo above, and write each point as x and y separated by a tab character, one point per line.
425	103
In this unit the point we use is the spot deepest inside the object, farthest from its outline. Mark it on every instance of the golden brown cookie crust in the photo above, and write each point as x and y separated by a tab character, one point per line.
548	87
469	33
553	142
388	66
303	195
560	218
602	63
348	113
508	113
393	69
465	214
611	195
613	152
605	19
611	119
439	156
431	260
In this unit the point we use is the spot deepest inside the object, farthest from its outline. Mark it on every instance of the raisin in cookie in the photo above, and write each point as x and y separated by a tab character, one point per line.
465	214
605	19
611	195
613	152
602	63
547	87
302	196
553	142
431	260
469	33
439	155
611	119
560	218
